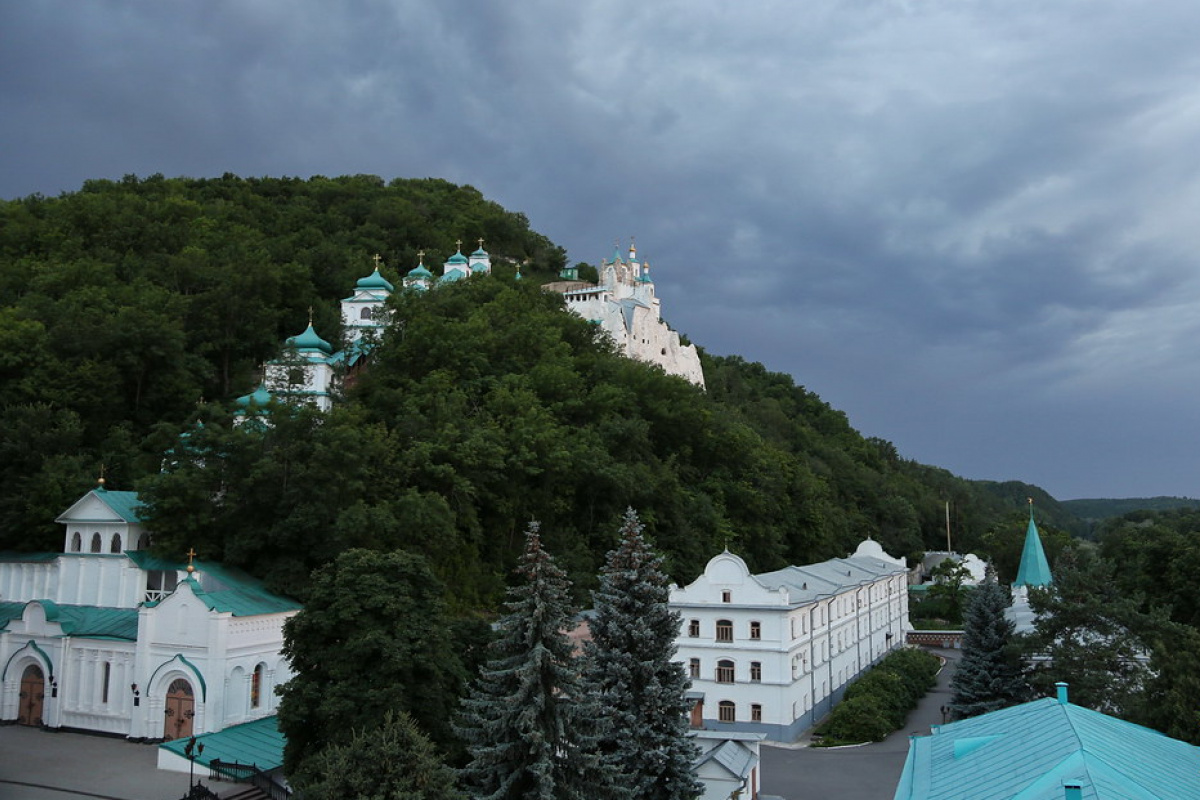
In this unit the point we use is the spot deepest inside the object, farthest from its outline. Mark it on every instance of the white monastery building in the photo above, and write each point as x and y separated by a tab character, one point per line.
771	653
105	637
624	303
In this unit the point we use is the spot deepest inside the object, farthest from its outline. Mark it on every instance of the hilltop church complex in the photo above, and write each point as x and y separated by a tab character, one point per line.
623	303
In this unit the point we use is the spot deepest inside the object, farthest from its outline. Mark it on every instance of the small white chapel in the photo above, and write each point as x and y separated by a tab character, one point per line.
105	637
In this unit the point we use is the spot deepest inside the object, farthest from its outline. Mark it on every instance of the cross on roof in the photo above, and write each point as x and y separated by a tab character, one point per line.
377	259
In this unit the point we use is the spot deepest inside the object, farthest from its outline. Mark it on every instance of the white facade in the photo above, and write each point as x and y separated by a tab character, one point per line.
120	642
771	653
625	305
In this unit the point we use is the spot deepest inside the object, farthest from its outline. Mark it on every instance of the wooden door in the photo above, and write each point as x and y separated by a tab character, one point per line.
698	714
33	692
179	711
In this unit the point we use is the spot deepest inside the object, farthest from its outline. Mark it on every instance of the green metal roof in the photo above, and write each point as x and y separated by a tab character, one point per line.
374	281
259	743
480	253
92	622
230	590
309	340
1030	751
148	561
419	271
259	397
457	258
11	556
1035	569
124	504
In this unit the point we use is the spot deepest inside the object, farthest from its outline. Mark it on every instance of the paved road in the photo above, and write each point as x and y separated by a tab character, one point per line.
45	765
869	772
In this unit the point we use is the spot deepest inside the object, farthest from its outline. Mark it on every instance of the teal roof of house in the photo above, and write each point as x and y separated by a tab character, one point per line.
259	743
92	622
1031	751
1035	569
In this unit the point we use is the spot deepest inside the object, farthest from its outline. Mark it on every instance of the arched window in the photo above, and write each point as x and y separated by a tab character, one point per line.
724	630
144	542
115	545
96	543
725	671
365	313
755	630
76	542
256	679
727	711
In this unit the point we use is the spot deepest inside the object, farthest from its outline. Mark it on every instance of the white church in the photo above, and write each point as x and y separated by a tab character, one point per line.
623	303
771	653
104	637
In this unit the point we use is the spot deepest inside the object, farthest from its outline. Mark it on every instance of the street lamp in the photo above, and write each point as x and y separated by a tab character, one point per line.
191	750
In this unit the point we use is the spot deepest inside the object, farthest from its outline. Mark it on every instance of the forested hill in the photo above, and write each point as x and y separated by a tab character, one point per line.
125	304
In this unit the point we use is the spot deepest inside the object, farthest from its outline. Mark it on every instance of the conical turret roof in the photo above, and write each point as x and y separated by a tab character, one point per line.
1035	569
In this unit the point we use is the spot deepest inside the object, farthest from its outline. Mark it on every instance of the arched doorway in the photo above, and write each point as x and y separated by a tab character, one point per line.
180	708
33	692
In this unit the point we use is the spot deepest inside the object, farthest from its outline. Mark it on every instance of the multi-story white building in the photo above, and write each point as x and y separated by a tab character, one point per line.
771	653
106	637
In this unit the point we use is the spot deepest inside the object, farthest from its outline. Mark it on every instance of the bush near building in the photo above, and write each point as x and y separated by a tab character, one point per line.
878	702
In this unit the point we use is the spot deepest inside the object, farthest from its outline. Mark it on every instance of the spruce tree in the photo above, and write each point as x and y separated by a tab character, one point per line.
630	668
989	676
528	725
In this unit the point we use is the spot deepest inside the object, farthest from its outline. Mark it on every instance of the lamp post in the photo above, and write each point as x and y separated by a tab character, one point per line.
191	750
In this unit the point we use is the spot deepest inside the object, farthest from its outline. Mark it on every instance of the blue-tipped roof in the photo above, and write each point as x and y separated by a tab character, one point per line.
480	253
419	271
374	281
309	340
1035	569
457	258
124	504
1033	750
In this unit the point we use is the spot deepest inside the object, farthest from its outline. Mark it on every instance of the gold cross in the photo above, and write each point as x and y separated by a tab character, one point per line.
421	255
458	244
190	554
310	316
480	242
377	259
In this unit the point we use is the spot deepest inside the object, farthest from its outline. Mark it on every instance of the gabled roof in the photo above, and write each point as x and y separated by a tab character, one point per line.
815	581
259	743
1035	569
735	757
125	505
230	590
92	622
1030	751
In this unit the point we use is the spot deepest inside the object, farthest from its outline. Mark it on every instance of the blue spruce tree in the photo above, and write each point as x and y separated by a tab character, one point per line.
529	727
989	676
631	670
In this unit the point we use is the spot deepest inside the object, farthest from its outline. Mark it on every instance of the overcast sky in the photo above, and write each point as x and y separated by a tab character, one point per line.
972	225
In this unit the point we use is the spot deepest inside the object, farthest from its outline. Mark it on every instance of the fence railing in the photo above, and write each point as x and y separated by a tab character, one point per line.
249	773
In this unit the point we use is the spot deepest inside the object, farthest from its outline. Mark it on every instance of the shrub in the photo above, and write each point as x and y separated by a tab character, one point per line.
881	697
860	719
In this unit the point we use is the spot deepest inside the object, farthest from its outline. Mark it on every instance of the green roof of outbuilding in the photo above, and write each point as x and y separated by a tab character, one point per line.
374	281
11	556
1035	569
259	743
1032	750
309	340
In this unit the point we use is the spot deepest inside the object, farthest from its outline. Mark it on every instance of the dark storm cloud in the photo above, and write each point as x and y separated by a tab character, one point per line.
968	224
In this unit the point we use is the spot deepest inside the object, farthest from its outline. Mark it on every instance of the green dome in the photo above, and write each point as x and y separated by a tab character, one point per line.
309	340
480	253
420	272
259	397
374	281
457	258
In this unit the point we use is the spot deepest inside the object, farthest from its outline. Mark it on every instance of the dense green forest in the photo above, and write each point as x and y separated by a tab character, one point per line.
133	312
